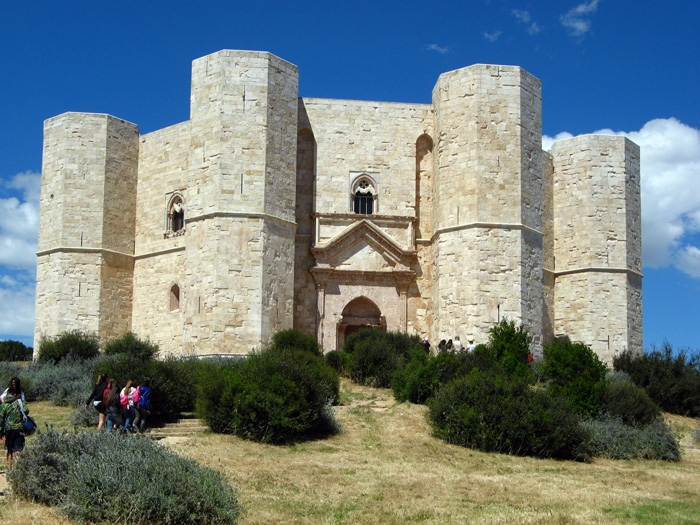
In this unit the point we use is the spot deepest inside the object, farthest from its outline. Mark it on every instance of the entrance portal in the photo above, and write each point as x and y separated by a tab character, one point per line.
359	313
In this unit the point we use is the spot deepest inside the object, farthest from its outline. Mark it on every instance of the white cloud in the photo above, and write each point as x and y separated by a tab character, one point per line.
670	171
492	36
19	222
577	20
523	16
443	50
19	228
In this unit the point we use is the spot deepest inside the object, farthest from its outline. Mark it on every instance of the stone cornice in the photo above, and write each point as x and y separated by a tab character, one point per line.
597	269
325	275
242	215
493	225
81	249
372	217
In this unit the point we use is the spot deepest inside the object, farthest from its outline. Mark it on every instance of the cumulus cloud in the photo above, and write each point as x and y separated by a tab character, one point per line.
670	171
19	221
577	20
19	227
492	36
443	50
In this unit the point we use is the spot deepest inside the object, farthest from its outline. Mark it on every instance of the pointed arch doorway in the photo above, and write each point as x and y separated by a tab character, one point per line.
357	314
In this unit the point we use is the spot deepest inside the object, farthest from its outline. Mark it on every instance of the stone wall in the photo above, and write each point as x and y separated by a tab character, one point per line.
597	242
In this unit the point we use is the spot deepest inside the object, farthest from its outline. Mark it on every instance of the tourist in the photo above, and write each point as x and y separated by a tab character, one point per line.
471	346
458	345
449	347
97	399
426	346
14	383
442	347
11	428
113	407
143	407
126	399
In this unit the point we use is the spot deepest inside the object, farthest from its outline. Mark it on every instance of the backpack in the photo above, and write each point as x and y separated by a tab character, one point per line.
124	400
136	397
105	394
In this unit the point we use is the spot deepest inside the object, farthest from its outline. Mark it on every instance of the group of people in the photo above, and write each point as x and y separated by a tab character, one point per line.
455	346
11	420
128	407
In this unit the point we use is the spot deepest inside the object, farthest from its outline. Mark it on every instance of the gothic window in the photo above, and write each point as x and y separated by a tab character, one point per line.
174	298
364	196
175	221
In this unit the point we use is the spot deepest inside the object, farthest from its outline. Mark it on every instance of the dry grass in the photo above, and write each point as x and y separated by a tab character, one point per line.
387	468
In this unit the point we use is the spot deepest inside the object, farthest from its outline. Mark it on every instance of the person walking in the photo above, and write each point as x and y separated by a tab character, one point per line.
126	399
457	345
143	407
97	399
14	383
11	429
113	407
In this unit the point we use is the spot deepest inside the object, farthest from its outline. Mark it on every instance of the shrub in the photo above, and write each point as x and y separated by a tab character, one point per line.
612	438
275	396
376	355
15	351
130	344
622	398
509	346
696	436
338	361
74	344
144	483
671	379
497	412
576	372
419	380
295	340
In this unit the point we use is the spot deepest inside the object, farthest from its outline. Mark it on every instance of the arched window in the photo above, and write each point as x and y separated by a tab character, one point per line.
364	196
175	221
174	297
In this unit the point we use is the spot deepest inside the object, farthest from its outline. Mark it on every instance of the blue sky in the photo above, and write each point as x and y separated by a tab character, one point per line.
612	66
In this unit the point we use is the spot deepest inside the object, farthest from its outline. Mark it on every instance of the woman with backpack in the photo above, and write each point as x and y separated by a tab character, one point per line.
143	407
11	427
97	399
128	398
113	407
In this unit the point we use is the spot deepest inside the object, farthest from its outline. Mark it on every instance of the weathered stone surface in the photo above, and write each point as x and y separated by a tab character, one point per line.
210	235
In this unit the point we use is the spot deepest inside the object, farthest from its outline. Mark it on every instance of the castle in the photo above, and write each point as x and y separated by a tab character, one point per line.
265	211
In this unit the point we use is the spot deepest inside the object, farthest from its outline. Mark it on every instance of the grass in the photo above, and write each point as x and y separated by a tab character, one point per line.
387	468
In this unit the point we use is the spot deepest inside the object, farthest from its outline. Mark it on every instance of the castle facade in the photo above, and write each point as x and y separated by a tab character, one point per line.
265	211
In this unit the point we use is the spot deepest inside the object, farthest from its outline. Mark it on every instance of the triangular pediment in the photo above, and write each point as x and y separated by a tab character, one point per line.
362	246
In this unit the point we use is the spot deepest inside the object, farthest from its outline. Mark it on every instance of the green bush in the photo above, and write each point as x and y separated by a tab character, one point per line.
509	346
376	355
575	372
671	379
73	344
130	344
622	398
420	380
612	438
15	351
498	412
295	340
339	361
105	478
274	396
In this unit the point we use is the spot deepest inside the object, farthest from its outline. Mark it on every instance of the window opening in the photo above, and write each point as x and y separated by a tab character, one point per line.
174	298
364	197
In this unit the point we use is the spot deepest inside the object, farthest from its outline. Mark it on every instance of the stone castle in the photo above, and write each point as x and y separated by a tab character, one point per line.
266	211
